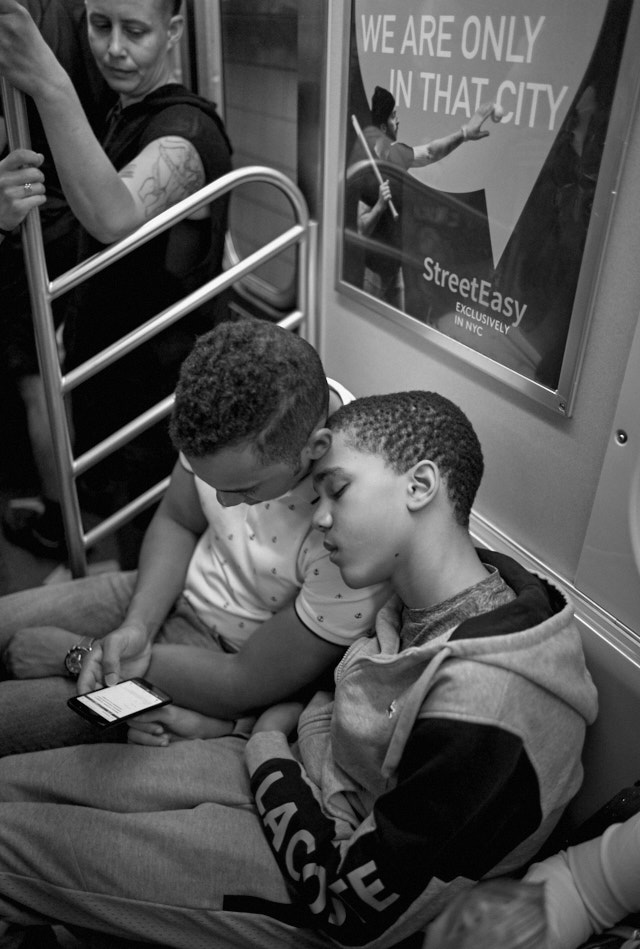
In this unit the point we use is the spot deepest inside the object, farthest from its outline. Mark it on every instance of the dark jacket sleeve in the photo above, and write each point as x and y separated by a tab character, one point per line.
466	796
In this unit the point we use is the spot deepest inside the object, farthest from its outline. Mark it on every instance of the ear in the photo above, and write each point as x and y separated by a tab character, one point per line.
318	444
423	483
176	26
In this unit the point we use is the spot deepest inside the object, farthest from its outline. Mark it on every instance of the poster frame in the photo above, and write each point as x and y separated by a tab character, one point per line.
560	400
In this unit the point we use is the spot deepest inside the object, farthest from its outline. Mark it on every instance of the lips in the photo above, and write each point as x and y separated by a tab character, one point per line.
121	73
333	550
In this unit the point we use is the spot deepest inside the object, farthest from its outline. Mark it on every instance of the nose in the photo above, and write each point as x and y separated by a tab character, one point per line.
229	498
322	519
115	42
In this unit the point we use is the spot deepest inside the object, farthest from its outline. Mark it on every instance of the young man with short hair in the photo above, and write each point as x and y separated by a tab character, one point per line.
447	754
233	586
453	742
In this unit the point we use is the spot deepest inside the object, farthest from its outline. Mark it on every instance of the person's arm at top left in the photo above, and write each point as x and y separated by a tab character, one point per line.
110	205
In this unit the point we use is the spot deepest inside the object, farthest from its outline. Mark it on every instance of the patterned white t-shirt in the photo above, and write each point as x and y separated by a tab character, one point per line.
253	560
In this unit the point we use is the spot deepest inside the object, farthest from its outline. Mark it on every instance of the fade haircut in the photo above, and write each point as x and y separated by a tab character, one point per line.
249	382
407	427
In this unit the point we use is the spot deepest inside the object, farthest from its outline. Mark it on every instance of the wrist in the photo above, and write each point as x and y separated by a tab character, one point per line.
75	655
145	629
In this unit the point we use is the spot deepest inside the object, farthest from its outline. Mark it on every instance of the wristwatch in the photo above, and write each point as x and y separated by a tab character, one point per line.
73	659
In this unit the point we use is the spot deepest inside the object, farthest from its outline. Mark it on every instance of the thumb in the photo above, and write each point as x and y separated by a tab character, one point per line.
111	662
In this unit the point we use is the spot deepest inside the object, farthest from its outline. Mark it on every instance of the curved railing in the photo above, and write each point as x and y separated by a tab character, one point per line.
43	291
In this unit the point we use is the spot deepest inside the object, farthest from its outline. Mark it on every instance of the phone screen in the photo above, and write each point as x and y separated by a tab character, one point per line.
117	702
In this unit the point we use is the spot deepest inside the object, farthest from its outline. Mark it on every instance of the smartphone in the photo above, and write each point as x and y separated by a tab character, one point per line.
116	703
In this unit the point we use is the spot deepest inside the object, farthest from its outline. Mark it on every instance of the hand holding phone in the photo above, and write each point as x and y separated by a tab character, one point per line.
118	703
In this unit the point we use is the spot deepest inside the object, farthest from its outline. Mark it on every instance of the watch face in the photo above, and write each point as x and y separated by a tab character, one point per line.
73	659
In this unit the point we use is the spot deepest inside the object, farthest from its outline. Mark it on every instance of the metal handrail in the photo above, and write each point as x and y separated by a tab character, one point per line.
43	291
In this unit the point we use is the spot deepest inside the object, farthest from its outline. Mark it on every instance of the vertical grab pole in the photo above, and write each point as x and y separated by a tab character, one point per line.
39	292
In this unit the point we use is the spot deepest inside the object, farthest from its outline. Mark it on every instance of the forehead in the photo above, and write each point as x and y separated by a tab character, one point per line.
145	10
235	468
336	455
343	458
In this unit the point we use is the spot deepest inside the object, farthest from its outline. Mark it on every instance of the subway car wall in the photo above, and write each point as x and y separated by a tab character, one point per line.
561	494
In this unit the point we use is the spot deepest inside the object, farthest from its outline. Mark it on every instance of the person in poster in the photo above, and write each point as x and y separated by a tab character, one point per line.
383	273
490	242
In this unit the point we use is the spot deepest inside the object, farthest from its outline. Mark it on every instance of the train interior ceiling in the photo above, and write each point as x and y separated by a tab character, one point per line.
560	491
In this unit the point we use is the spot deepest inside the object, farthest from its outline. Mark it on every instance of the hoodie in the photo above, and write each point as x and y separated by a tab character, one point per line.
432	768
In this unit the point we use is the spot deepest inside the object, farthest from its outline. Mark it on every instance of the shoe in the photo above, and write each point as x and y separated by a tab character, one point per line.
35	526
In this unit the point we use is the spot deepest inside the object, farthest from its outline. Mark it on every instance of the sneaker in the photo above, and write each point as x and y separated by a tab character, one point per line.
36	527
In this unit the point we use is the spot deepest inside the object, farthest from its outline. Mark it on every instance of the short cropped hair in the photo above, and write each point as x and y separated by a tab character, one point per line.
407	427
170	8
249	382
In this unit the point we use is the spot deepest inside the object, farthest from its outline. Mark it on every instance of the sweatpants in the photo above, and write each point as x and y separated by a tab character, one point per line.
158	844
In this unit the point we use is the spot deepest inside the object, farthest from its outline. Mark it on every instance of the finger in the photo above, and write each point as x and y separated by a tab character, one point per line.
36	201
24	183
28	179
90	677
111	662
484	112
138	737
21	158
22	196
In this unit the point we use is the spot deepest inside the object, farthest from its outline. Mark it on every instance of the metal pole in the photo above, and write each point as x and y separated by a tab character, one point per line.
40	296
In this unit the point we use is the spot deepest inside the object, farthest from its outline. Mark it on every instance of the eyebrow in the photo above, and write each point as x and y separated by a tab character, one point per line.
318	479
128	21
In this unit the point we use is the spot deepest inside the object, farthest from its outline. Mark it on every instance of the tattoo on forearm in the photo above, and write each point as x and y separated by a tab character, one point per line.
176	173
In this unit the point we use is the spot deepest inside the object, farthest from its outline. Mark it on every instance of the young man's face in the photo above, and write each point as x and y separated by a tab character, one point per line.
239	477
392	125
130	41
361	512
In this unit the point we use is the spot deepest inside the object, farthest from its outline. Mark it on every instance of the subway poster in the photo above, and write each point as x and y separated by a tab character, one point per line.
480	142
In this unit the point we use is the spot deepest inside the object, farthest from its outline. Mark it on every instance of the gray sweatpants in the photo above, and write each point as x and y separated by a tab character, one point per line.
157	844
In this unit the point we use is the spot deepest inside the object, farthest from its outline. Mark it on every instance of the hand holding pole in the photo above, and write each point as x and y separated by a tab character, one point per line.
372	161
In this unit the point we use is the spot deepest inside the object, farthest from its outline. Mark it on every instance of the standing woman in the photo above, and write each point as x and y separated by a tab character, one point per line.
160	144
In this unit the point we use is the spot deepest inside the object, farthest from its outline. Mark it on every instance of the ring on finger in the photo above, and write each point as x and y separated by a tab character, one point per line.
27	186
